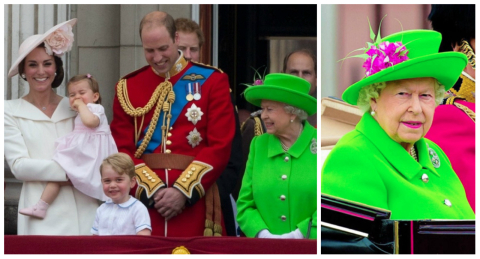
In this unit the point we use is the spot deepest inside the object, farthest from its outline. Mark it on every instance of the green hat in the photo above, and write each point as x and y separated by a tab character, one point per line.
423	61
285	88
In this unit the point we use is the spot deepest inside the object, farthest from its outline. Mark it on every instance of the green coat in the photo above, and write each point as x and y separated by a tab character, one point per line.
277	185
367	166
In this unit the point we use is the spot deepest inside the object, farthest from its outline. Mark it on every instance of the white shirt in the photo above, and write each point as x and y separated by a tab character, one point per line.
127	218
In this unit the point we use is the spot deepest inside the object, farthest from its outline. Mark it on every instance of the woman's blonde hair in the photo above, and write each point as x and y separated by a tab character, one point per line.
120	163
373	91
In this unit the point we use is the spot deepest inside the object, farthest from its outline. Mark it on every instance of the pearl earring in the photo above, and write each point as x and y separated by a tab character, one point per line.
55	74
372	113
23	75
291	121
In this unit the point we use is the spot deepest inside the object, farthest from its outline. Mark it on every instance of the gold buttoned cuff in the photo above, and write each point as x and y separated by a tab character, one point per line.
148	179
191	177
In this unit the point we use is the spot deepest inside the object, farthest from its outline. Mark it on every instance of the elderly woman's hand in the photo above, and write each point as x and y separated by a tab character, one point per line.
266	234
296	234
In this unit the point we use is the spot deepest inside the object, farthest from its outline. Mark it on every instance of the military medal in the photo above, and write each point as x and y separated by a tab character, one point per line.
189	90
194	114
197	94
194	138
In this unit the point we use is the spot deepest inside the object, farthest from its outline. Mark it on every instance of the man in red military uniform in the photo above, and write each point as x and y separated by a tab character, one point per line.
175	119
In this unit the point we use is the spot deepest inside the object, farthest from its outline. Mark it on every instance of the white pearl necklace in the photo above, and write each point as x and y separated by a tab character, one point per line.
284	147
413	153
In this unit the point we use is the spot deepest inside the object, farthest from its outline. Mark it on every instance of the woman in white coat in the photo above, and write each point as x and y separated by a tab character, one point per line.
32	124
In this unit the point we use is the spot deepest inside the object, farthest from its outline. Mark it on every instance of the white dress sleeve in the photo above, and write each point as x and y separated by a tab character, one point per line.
97	110
17	155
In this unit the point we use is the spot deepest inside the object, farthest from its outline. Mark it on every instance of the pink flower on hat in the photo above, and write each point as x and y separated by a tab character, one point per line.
257	78
386	55
258	82
60	41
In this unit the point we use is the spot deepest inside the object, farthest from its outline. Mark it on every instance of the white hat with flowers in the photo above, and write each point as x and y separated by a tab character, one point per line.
58	40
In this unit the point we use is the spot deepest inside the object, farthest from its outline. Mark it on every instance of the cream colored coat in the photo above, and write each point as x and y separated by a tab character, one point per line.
29	146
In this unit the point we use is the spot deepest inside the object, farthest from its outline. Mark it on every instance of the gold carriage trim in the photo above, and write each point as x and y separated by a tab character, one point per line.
191	177
148	179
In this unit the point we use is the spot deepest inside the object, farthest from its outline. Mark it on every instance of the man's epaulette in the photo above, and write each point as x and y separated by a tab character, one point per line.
135	72
205	65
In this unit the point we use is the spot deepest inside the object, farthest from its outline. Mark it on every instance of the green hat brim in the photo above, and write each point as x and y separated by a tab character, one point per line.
446	67
255	95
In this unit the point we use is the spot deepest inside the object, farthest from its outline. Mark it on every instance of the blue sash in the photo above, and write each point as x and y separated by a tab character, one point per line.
180	90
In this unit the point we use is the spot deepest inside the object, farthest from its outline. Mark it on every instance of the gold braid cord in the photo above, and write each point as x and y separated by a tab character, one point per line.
467	50
162	93
258	126
464	108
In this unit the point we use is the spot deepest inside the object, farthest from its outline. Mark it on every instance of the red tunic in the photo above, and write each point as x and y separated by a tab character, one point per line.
216	128
454	132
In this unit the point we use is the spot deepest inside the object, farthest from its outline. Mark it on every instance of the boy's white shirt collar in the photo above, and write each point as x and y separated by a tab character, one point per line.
125	204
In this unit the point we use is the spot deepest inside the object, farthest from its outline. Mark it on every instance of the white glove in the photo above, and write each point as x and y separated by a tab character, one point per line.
266	234
296	234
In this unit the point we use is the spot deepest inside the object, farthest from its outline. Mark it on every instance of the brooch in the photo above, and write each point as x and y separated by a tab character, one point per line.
194	138
433	157
313	146
194	114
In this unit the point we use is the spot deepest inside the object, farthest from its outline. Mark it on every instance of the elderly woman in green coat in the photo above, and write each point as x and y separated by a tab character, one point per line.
278	197
386	162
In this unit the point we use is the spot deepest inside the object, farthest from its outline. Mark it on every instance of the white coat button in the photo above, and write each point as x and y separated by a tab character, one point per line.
286	159
283	218
284	177
425	178
447	202
282	197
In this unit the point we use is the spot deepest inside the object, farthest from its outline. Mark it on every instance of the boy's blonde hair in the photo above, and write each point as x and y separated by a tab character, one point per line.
120	163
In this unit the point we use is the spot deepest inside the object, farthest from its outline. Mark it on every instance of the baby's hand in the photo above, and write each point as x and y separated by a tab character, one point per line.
76	103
